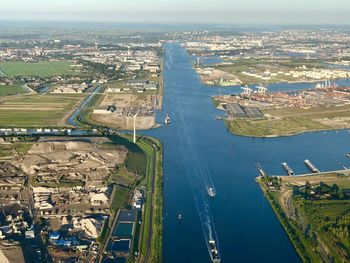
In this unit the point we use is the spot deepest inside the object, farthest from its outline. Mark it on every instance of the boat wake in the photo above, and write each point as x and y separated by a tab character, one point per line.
194	167
209	184
200	180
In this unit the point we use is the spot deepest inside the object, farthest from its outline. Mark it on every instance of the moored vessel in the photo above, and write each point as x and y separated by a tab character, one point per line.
287	168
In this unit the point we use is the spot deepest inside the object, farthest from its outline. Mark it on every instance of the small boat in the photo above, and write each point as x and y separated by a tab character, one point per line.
179	216
211	191
167	119
348	155
214	254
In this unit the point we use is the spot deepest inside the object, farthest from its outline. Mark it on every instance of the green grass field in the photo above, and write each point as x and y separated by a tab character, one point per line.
123	177
8	90
41	69
36	110
288	121
314	113
19	148
279	127
120	197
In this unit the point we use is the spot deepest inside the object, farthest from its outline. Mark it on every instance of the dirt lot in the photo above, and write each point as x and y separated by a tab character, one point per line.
336	123
328	177
122	118
9	254
61	160
125	100
124	122
213	76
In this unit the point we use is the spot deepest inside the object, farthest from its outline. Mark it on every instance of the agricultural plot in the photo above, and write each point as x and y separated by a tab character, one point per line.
40	69
37	110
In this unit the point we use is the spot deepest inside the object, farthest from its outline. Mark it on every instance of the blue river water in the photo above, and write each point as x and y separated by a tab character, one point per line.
198	149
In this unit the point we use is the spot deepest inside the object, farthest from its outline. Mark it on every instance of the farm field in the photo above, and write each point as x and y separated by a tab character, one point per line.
37	110
12	90
40	69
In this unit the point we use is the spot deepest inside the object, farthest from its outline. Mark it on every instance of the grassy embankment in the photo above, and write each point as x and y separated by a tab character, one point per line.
17	148
318	228
40	69
294	234
138	170
154	209
37	110
291	121
8	90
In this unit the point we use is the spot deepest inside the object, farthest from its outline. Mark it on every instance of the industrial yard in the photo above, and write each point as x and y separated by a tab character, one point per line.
138	95
264	114
269	57
118	111
247	71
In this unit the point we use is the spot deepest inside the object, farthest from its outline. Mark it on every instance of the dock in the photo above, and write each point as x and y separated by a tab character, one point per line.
261	171
309	165
287	169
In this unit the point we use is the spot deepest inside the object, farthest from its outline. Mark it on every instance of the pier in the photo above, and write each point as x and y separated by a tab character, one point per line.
287	168
261	171
311	166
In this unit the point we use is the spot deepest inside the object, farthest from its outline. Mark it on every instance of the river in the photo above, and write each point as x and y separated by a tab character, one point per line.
198	149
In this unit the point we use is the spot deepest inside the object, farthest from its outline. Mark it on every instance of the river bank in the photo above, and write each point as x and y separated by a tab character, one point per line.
294	198
254	130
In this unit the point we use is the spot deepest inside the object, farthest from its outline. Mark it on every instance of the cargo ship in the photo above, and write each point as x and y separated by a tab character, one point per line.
167	119
287	168
214	254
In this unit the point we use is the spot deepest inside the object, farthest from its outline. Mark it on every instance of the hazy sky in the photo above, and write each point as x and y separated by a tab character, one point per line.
181	11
